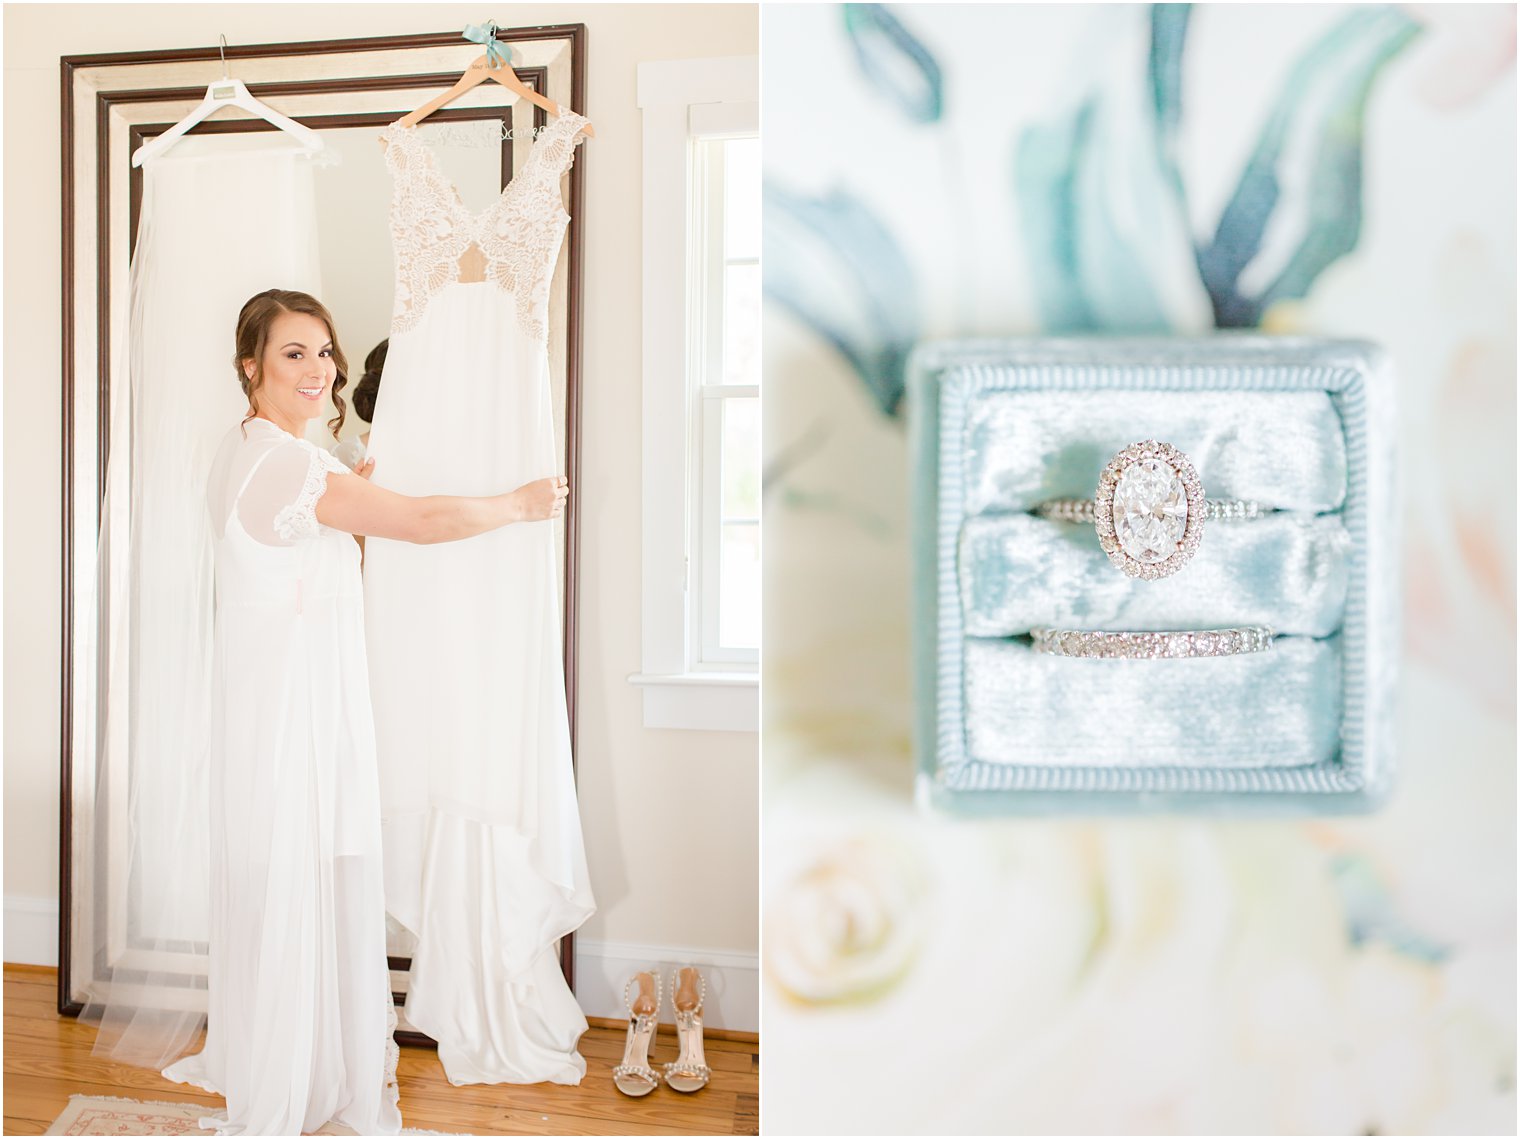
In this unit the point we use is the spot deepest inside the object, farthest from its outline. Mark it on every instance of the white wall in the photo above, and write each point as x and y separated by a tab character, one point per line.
670	817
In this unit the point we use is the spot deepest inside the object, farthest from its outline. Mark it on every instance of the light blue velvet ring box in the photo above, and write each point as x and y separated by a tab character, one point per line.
1304	427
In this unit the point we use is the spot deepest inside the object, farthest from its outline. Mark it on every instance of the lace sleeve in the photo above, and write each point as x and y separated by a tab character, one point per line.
576	140
299	519
277	505
561	149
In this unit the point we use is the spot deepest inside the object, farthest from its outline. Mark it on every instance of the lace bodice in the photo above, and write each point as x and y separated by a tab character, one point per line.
438	241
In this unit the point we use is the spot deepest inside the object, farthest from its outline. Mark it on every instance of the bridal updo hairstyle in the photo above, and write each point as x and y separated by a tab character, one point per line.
253	324
368	386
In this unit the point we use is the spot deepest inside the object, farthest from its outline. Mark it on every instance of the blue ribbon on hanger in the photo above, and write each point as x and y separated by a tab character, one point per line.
497	53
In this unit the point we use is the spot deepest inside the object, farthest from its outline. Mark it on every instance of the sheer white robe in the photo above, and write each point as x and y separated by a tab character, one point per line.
301	1016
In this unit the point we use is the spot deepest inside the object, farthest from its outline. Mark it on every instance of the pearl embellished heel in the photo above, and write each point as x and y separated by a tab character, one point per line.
634	1076
689	1071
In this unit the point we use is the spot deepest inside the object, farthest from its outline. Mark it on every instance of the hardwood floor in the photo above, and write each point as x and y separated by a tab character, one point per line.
47	1059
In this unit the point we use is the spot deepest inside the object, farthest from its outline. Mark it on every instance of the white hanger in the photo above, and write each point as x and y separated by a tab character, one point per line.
228	93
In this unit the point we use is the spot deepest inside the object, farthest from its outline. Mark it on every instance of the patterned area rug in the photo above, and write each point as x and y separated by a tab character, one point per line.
107	1115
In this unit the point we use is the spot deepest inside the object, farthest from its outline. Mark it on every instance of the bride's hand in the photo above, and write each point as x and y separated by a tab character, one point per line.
542	498
365	469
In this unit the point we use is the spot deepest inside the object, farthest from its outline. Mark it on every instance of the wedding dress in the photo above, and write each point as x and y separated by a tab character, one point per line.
484	862
301	1015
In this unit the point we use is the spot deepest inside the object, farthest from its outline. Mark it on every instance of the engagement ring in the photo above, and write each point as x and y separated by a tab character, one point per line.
1152	646
1149	510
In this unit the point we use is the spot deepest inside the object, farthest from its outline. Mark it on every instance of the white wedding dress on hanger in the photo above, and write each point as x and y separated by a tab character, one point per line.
484	861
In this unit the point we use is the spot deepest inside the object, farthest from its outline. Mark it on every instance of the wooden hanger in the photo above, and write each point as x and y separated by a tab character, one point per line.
486	68
228	93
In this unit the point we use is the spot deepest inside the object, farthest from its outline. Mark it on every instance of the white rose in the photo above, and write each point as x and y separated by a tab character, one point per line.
848	926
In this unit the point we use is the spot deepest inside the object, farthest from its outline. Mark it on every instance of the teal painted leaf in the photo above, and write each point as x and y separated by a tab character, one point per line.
895	62
1370	913
832	264
1169	24
1089	272
1318	120
1335	181
1045	175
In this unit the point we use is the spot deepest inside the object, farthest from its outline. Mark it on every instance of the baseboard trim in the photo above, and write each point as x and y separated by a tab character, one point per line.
31	930
40	970
602	968
711	1033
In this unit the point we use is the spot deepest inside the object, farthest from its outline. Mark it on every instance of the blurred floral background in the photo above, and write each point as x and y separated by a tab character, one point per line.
953	170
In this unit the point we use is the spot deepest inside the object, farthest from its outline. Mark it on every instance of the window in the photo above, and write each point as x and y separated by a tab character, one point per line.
724	287
701	394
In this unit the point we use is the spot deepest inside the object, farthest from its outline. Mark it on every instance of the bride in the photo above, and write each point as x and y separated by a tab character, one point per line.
300	1018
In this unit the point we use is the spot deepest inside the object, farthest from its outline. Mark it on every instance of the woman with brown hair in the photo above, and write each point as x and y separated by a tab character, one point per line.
300	1011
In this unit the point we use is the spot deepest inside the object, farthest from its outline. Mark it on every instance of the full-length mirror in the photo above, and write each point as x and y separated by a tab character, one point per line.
441	344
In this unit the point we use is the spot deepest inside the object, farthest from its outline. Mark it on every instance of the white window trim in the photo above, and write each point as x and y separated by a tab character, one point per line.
674	96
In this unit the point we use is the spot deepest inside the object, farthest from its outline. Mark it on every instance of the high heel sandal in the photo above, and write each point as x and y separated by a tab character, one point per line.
634	1076
689	1071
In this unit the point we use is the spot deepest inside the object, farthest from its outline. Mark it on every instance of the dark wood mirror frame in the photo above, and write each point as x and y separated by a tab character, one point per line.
72	206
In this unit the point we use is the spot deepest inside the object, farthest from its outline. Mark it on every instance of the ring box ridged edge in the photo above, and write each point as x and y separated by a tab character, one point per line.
942	376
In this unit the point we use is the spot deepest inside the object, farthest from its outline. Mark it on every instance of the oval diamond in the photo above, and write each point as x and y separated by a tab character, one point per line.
1150	511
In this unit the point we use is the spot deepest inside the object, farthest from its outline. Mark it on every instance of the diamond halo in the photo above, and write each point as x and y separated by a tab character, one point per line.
1150	475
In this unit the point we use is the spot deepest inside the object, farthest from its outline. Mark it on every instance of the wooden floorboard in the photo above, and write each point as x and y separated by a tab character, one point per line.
47	1059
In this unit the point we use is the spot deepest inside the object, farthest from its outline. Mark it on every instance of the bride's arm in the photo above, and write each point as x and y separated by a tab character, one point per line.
358	506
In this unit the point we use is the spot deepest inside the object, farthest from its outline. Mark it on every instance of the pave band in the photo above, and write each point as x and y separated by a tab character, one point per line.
1180	644
1084	510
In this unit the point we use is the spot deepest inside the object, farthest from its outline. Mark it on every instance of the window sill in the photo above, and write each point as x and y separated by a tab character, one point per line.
701	701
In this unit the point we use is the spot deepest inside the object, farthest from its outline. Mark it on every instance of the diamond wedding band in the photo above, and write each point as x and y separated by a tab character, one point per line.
1152	646
1149	510
1083	510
